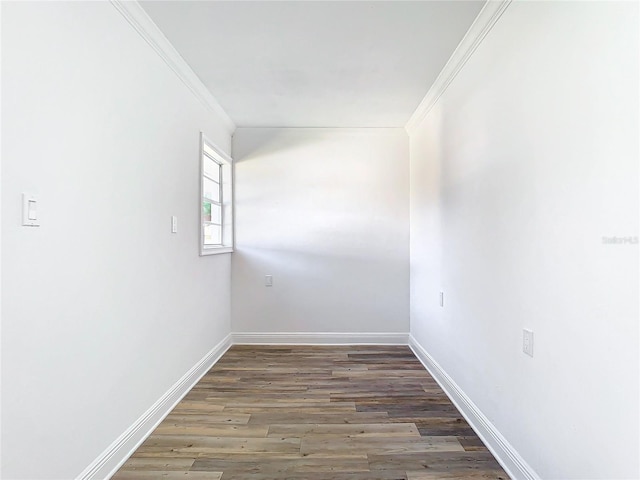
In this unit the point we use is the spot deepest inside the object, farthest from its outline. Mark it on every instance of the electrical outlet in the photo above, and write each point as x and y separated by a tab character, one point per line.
527	342
268	280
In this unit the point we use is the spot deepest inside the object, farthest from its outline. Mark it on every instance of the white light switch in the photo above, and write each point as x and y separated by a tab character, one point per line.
174	224
527	342
268	280
442	299
30	210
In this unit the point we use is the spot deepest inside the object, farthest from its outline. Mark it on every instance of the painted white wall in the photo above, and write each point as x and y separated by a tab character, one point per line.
0	241
526	162
103	309
325	211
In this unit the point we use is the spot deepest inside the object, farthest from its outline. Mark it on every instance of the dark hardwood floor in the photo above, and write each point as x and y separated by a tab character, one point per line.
311	413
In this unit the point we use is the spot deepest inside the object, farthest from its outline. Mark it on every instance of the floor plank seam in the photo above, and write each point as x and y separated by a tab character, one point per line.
311	412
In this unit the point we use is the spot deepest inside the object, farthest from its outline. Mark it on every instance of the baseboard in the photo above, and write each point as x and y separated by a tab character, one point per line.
507	456
256	338
109	461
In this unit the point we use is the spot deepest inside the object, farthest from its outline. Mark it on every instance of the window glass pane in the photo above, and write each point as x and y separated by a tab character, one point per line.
206	211
216	214
212	235
209	150
216	201
210	189
211	168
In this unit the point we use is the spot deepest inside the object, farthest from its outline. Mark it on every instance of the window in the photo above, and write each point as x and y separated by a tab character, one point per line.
216	198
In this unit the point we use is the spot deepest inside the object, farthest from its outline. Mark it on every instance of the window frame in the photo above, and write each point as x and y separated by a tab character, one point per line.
225	196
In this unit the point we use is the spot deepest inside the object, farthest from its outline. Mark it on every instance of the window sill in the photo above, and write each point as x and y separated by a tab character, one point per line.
215	250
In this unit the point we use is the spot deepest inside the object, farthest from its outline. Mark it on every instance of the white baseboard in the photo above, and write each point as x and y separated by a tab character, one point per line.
109	461
507	456
123	447
255	338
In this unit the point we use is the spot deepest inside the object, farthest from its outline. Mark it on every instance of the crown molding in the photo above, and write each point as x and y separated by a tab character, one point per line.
478	30
149	31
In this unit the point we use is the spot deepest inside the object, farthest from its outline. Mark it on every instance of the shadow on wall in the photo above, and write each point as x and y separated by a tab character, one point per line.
325	211
278	142
322	191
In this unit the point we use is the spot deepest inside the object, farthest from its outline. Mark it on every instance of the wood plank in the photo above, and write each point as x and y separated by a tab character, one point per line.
345	463
388	446
159	464
381	475
363	430
166	475
206	444
223	418
237	431
314	413
325	418
434	461
456	475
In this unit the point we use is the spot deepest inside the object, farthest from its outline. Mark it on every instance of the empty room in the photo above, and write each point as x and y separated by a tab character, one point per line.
320	240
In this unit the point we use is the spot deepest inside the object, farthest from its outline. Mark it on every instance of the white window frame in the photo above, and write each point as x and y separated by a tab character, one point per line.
226	197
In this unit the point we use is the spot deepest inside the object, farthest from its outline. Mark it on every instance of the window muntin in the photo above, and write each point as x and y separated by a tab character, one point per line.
216	212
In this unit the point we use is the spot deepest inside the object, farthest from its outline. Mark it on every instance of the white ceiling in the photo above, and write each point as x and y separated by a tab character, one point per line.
316	64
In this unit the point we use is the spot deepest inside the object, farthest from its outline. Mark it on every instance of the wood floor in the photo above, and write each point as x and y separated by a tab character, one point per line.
311	413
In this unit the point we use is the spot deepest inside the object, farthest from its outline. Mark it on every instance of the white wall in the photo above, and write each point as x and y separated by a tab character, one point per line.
525	163
103	309
325	211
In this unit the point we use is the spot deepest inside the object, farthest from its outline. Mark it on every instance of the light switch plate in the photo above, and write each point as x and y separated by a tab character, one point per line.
268	280
174	224
30	210
527	342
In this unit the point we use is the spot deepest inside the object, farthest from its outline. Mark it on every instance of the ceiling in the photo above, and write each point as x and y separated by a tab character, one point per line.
316	63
